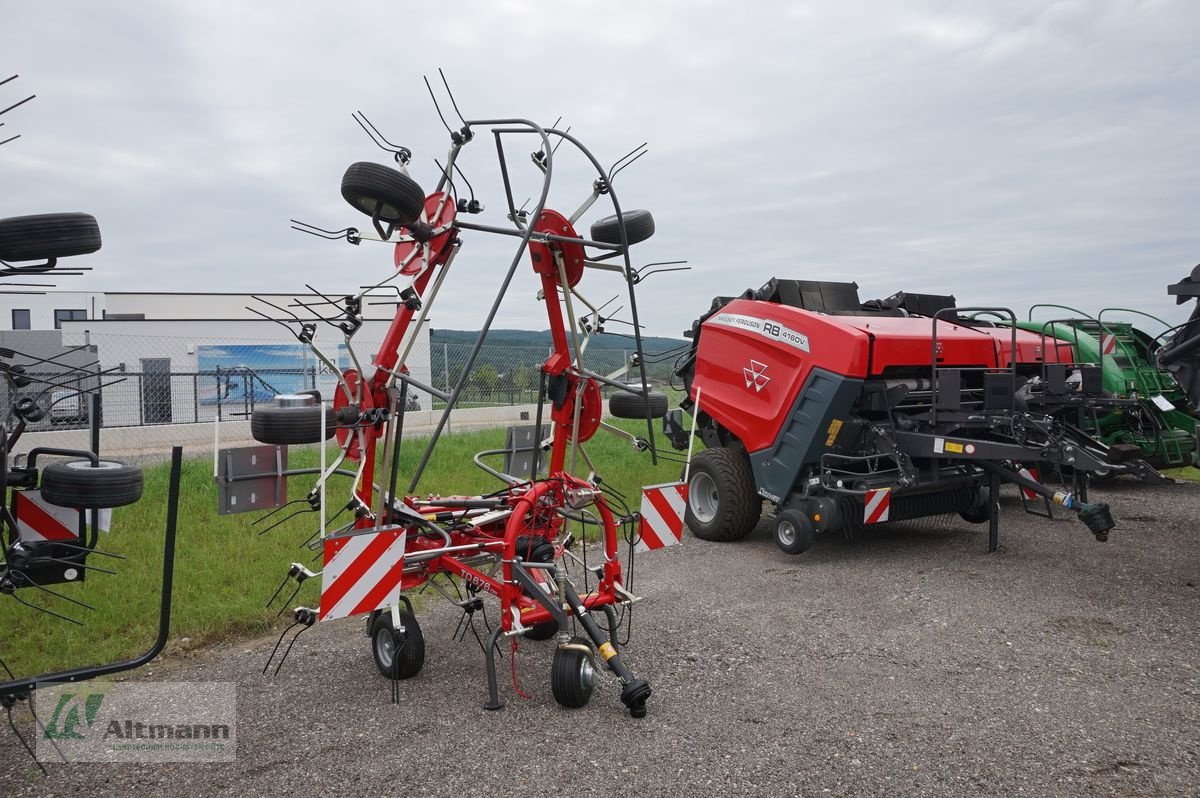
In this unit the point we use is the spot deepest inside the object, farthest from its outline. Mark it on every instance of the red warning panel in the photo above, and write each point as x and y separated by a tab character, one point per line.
662	516
362	572
39	521
877	506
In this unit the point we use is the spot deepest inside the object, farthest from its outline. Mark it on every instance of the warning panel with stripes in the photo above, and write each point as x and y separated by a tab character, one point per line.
662	516
362	572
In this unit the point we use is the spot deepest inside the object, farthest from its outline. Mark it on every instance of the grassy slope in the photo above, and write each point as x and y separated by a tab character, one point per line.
225	571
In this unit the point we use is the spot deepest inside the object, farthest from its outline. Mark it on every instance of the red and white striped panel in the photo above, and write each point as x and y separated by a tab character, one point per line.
1108	344
1029	473
39	521
662	516
362	572
877	506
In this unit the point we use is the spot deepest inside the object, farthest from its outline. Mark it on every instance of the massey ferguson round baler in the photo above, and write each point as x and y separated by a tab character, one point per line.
841	416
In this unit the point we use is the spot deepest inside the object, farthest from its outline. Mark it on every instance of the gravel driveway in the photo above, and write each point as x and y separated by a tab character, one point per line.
908	662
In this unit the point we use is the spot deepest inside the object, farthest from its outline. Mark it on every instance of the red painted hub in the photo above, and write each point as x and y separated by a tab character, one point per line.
552	221
436	220
589	412
340	400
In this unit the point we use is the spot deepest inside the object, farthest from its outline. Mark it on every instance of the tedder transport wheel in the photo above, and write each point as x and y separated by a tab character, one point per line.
76	483
285	425
572	675
48	235
639	225
793	531
397	654
722	503
368	186
630	405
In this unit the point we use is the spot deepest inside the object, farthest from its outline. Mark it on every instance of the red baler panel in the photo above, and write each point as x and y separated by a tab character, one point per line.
902	342
753	357
1029	346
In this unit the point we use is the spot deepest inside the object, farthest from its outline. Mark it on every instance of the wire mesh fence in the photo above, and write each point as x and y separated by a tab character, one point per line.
146	384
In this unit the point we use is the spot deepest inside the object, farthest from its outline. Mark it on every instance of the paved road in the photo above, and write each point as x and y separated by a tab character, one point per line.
905	663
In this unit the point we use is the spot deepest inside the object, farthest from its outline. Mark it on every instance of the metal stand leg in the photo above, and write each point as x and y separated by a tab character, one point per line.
493	702
993	511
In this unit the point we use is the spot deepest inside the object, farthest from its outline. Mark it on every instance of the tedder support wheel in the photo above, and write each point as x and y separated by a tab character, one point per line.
793	531
286	425
399	655
630	405
722	503
572	675
48	235
369	186
639	225
76	483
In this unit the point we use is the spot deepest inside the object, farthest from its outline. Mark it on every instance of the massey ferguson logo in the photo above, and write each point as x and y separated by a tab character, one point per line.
756	375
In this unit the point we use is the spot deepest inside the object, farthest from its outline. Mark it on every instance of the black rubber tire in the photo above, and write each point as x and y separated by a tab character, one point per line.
793	531
572	676
542	631
977	511
367	186
48	235
639	225
722	479
630	405
397	655
287	425
75	483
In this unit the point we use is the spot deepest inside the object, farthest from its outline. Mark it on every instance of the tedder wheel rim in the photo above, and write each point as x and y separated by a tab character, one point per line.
704	497
385	647
587	674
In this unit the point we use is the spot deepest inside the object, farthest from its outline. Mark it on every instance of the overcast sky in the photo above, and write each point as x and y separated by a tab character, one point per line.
1006	152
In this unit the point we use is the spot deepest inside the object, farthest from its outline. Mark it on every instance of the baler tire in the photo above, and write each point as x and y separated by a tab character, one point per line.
793	531
397	655
639	225
631	405
76	483
367	185
572	675
736	505
48	235
291	425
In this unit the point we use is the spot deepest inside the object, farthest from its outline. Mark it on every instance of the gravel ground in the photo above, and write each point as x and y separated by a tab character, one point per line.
908	662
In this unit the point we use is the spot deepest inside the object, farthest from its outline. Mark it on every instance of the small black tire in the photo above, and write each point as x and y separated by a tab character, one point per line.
288	425
399	655
632	405
542	631
977	510
794	531
639	225
722	503
48	235
573	675
76	483
367	186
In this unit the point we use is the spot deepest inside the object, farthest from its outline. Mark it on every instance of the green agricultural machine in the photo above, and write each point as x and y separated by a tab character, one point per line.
1160	422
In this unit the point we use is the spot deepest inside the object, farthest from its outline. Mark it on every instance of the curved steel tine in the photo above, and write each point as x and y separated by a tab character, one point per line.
450	94
78	565
621	160
321	232
20	600
613	175
436	107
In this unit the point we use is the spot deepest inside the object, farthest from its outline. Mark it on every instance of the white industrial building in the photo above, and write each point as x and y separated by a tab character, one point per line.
184	358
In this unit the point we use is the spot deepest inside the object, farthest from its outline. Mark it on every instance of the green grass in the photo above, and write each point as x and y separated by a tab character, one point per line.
1187	472
224	570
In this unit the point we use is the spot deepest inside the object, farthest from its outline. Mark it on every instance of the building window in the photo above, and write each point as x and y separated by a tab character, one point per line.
21	319
68	315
